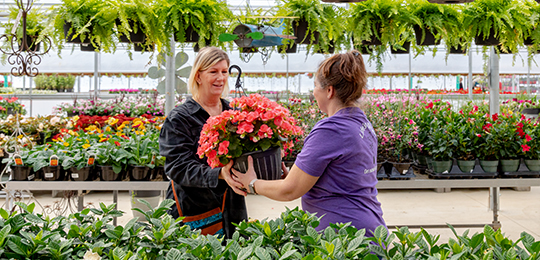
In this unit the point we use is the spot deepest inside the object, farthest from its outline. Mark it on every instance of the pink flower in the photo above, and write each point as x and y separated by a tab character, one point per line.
244	127
525	147
223	147
528	138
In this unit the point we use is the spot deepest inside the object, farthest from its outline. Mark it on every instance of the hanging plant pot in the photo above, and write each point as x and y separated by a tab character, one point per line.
300	28
139	36
22	173
287	49
510	165
248	50
69	36
489	166
458	50
406	46
533	165
528	41
429	38
139	173
30	44
83	174
107	173
364	49
490	40
466	166
88	47
441	166
374	40
267	164
499	50
52	173
331	49
190	35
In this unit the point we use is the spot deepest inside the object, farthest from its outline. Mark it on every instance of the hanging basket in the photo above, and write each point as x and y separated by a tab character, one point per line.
70	36
429	38
139	36
88	47
406	46
267	164
458	50
31	44
190	35
487	41
300	28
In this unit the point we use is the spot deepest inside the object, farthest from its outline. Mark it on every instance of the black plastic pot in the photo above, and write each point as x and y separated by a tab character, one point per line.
249	50
458	50
190	35
531	111
159	171
139	173
365	49
30	44
300	28
267	164
139	36
83	174
331	49
22	173
53	173
429	38
528	41
490	40
69	36
288	49
406	46
107	173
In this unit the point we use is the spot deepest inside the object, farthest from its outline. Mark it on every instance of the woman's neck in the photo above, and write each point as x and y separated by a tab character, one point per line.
212	106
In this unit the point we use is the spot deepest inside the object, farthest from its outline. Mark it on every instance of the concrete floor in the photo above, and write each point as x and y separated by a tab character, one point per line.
519	210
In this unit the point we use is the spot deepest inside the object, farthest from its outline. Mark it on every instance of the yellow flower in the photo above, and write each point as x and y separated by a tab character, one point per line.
66	144
108	128
75	118
103	140
20	136
79	139
100	135
87	141
510	112
121	126
91	128
85	146
99	130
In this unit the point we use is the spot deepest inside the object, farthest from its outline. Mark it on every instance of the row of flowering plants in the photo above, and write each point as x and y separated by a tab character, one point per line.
90	234
133	106
116	142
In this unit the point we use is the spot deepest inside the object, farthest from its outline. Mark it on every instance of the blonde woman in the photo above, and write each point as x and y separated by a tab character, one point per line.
205	196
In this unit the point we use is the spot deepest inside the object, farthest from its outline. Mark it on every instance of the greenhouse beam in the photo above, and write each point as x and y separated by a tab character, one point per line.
169	79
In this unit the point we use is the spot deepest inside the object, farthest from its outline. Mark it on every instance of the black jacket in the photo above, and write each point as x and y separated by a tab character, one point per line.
196	183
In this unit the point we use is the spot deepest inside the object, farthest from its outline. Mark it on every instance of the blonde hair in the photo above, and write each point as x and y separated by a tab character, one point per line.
207	57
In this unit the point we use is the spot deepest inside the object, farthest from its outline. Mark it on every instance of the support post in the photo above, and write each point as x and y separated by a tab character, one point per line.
470	83
529	77
391	82
493	76
287	78
31	99
410	71
96	73
169	79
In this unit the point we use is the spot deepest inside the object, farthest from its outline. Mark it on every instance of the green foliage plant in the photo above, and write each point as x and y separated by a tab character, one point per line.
310	11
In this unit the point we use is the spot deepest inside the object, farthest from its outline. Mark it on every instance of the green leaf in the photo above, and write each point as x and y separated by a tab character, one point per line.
4	214
262	254
174	254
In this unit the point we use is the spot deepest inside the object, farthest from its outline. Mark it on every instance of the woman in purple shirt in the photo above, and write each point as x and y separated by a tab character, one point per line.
335	173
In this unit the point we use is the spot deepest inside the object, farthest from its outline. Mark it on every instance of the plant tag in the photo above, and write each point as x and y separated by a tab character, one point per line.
404	171
91	160
16	23
471	170
53	161
18	160
49	175
445	172
75	175
31	177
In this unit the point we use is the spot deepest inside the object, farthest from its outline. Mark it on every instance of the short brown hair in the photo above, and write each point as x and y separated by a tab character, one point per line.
346	72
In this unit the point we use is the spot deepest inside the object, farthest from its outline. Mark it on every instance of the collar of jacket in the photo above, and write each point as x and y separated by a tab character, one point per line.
194	107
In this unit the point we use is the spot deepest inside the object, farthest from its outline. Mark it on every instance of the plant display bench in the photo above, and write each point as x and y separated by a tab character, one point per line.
418	183
115	186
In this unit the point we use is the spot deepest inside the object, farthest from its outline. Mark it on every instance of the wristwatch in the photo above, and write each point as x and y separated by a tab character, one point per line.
252	187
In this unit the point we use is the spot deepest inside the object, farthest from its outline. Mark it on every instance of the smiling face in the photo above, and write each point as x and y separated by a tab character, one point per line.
212	81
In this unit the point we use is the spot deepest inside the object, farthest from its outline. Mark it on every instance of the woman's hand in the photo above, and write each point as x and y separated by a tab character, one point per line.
226	175
245	178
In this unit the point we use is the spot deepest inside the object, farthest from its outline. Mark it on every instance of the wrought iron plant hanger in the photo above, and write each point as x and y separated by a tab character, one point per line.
24	53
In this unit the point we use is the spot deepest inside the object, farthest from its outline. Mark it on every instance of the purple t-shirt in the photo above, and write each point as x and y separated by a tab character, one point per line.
342	151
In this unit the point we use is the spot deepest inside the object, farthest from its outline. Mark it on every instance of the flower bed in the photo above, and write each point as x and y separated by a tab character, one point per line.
91	235
130	106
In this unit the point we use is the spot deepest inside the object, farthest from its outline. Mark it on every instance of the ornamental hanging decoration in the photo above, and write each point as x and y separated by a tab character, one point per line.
23	51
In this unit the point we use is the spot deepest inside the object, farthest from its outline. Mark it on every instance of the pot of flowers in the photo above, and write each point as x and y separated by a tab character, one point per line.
441	143
111	158
467	139
20	170
488	152
142	151
48	162
79	165
258	127
529	144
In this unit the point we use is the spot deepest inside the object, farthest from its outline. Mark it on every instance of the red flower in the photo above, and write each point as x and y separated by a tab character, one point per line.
495	117
223	147
525	147
430	105
479	135
486	127
528	138
117	143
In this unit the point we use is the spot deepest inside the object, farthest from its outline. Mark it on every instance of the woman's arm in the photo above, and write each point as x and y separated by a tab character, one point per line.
296	184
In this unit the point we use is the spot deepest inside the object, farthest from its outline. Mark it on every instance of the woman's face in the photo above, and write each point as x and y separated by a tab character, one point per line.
320	96
212	81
